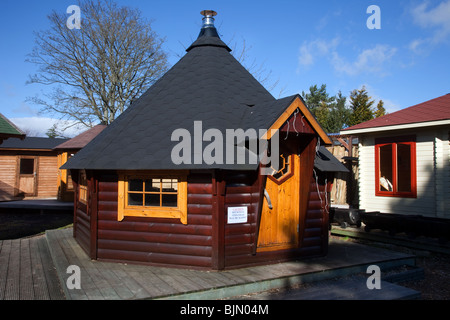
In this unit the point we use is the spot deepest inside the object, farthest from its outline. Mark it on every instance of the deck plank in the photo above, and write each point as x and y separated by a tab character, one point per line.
95	281
5	252
26	291
137	291
13	275
39	282
52	283
61	262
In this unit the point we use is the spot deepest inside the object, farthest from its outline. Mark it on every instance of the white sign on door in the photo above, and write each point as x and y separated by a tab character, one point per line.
237	215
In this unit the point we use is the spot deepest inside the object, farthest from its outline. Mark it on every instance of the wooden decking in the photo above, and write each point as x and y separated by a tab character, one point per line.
27	271
36	268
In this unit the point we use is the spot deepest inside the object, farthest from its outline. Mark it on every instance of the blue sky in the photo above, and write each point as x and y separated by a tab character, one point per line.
299	43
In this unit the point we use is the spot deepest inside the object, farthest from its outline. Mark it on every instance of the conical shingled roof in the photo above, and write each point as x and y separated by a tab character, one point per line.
208	84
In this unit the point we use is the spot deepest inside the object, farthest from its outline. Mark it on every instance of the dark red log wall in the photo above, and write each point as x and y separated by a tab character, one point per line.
207	241
153	240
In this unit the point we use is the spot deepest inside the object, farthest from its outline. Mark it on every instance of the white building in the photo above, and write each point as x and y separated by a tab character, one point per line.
404	160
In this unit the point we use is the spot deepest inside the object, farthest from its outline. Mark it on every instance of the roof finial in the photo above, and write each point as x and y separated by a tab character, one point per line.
208	20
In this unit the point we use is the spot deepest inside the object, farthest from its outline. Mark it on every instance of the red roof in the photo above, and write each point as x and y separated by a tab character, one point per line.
431	110
82	139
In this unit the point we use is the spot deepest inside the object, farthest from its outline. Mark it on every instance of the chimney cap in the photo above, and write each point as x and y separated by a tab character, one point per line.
208	35
208	13
208	18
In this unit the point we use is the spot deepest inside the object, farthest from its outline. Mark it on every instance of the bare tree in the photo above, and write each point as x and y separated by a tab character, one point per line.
96	72
259	71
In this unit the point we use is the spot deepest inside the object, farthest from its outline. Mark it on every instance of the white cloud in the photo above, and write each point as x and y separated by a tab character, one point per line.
389	105
368	61
317	49
38	126
437	19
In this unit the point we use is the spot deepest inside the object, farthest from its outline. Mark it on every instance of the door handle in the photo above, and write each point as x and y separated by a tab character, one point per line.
267	196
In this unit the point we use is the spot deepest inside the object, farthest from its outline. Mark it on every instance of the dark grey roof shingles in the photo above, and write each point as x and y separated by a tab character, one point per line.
326	162
32	143
208	84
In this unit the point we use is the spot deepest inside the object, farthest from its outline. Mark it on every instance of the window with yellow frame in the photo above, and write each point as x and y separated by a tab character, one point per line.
155	194
82	188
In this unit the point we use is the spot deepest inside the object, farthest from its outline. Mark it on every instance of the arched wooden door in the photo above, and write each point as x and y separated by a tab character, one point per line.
279	226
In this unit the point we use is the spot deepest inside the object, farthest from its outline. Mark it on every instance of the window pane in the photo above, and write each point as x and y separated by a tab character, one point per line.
135	185
26	166
152	185
284	166
135	199
152	200
169	185
404	167
386	168
169	200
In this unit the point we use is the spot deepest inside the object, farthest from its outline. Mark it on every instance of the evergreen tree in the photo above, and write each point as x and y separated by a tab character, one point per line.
361	106
380	111
330	112
53	132
317	98
339	115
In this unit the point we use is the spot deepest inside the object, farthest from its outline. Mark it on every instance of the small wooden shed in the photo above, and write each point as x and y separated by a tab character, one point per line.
28	168
404	160
9	130
163	185
65	151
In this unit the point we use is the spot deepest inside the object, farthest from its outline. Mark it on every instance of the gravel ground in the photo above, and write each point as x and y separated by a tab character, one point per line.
436	282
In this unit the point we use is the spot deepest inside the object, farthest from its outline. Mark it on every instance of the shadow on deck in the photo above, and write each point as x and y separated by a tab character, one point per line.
106	280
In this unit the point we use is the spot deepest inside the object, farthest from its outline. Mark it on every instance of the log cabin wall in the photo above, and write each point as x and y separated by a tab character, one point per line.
207	241
82	220
157	241
315	233
243	188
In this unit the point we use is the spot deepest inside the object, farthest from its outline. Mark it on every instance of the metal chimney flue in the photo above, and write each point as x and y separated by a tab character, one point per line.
208	18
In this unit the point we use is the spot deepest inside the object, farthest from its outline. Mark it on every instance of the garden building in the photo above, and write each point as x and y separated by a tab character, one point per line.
404	160
205	170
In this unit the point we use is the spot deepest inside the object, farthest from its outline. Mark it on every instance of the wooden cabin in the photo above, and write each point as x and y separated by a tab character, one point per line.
163	184
28	168
9	130
404	160
66	150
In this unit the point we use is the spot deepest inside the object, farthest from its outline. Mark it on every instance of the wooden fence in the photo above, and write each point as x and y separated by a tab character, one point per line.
345	185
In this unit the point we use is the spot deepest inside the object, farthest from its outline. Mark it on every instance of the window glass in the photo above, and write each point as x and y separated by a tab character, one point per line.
135	185
155	192
135	199
404	167
153	185
284	167
386	168
395	159
169	185
152	195
152	200
26	166
169	200
83	194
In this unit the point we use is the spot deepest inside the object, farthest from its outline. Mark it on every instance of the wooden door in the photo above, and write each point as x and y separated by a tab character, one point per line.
27	176
279	226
